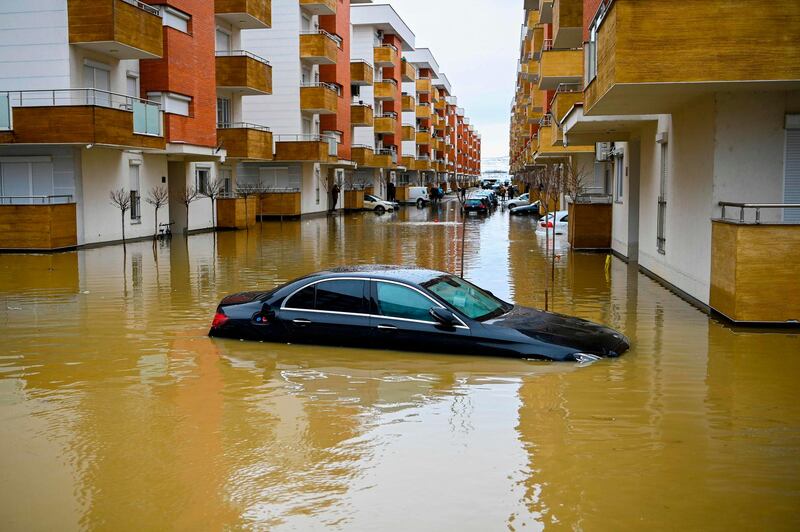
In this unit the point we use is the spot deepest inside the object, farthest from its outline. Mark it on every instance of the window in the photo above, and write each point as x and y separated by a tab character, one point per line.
341	296
176	104
467	298
21	178
202	178
223	111
619	178
97	76
273	177
136	209
398	301
175	19
590	54
223	41
317	179
132	84
661	241
304	299
226	175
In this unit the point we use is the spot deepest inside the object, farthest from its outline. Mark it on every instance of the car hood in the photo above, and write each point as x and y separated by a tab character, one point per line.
565	331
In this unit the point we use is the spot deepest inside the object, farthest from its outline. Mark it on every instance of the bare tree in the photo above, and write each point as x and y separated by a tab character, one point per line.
121	199
213	190
158	197
187	196
574	179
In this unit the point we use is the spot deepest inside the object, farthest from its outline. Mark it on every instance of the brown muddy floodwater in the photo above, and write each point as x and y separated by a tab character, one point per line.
118	413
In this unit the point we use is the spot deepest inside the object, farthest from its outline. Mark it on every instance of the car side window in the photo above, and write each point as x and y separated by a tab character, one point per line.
304	299
399	301
341	296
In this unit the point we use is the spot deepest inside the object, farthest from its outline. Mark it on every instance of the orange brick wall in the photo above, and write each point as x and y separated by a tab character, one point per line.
339	24
396	105
187	68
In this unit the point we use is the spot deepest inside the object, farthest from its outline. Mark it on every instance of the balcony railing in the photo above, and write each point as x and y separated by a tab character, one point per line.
331	141
756	208
243	70
123	29
147	118
36	200
320	47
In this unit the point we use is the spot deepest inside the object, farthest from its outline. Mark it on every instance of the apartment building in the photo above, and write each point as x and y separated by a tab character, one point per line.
692	122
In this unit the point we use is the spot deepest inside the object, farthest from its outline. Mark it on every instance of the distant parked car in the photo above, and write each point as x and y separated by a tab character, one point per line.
519	201
477	205
379	205
534	209
484	199
561	220
418	196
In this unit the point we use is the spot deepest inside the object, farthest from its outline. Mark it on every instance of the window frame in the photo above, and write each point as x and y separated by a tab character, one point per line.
365	295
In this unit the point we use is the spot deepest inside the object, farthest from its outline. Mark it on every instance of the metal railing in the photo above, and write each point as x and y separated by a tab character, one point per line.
390	81
144	7
240	53
387	45
241	125
36	200
388	114
757	207
147	116
323	84
362	146
331	141
335	38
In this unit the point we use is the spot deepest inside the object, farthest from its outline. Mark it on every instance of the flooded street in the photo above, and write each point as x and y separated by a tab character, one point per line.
117	412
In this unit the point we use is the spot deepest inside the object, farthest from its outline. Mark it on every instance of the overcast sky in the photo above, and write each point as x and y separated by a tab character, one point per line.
476	43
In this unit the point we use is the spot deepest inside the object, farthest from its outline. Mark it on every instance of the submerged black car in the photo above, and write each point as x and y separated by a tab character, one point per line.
392	307
475	205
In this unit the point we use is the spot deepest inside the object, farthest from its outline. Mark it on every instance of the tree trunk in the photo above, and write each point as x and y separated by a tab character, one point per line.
155	233
186	230
123	227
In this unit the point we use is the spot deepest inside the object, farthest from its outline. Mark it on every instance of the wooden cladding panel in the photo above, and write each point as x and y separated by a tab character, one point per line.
116	21
423	137
409	104
409	162
409	133
401	193
361	115
38	227
318	99
385	90
567	23
361	73
258	9
408	72
589	226
385	125
280	204
423	111
87	125
382	161
384	56
353	200
362	156
242	72
236	213
559	64
563	102
754	271
246	143
319	7
303	151
318	47
423	86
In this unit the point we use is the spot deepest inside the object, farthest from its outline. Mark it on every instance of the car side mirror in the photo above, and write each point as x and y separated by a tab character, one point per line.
443	316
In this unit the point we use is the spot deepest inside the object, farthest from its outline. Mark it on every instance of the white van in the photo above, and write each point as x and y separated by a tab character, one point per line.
418	196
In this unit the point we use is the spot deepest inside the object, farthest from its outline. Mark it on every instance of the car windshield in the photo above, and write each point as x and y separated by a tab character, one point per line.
467	298
370	197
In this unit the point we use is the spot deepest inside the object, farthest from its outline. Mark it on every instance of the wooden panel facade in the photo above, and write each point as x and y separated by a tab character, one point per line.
423	137
244	73
353	200
386	125
563	102
361	73
409	103
361	155
754	271
316	151
423	111
382	161
409	162
409	133
318	48
38	227
246	143
132	32
384	56
407	71
385	90
560	66
87	125
361	115
236	213
567	23
589	225
280	204
424	86
258	10
319	99
319	7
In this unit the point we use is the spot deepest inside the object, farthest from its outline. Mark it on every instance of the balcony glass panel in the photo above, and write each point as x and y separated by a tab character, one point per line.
5	112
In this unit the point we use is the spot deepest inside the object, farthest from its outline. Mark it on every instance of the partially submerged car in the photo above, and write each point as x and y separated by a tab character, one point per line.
394	307
534	209
378	205
476	205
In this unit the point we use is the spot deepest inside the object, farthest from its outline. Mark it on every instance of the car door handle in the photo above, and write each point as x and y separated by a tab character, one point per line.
387	327
301	321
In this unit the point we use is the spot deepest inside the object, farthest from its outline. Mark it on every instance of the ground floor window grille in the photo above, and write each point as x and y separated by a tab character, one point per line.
203	179
136	200
661	241
619	178
791	180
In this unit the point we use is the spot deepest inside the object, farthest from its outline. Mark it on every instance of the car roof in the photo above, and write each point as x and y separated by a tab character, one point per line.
409	274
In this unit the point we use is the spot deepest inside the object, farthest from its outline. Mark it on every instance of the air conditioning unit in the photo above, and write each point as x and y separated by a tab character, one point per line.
602	151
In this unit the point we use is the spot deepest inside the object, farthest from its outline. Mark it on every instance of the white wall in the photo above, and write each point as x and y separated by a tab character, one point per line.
308	190
362	48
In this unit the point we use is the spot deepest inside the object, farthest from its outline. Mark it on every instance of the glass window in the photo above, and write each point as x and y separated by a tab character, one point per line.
175	19
304	299
468	299
341	296
203	178
399	301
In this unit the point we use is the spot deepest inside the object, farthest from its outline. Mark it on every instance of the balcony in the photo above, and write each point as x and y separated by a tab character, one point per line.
362	155
409	132
118	28
386	124
754	267
423	111
560	67
245	141
236	213
385	90
319	7
408	72
710	48
361	115
567	23
37	223
590	223
243	72
280	203
245	14
90	116
319	98
545	12
424	163
424	86
385	55
385	158
361	73
537	42
423	137
319	47
409	104
306	148
565	97
440	104
410	163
